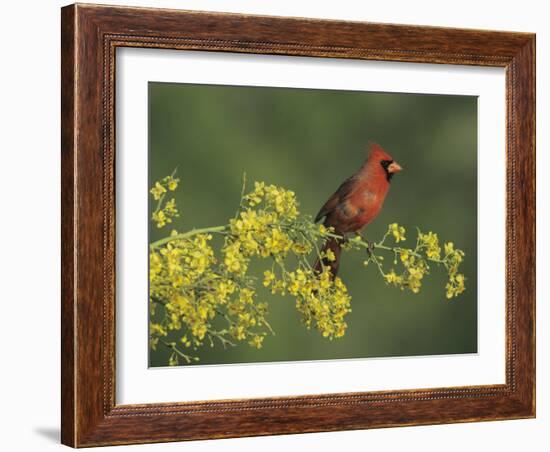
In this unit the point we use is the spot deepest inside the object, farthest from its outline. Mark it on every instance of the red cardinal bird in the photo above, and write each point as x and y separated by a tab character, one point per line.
357	201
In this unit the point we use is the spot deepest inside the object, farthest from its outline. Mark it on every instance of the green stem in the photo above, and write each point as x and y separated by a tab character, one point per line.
399	249
266	323
243	191
220	336
375	260
394	249
215	229
318	251
159	203
175	349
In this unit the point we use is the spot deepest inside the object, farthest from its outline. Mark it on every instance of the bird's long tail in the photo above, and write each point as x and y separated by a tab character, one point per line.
334	245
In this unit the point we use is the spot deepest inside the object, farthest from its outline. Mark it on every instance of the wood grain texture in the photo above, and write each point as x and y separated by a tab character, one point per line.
68	244
90	36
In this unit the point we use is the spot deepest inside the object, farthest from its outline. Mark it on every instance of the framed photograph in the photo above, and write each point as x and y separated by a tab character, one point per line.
281	225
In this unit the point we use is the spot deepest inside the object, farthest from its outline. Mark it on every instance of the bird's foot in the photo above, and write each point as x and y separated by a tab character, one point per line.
370	247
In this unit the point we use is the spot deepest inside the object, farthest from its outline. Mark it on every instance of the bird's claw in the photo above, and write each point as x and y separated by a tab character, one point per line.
370	247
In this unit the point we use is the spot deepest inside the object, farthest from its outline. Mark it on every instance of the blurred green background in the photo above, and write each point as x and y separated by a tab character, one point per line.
310	141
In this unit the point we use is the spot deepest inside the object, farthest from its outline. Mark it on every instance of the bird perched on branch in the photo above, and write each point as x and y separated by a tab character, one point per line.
356	202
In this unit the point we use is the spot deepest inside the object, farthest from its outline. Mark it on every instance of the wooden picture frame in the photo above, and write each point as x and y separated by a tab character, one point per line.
90	36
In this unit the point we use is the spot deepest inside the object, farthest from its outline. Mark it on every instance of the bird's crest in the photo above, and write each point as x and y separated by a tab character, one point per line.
376	152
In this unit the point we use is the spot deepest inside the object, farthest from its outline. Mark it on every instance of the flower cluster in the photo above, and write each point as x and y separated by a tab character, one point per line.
397	231
414	269
453	258
430	244
199	299
279	200
268	226
196	296
322	300
415	262
260	228
164	212
255	233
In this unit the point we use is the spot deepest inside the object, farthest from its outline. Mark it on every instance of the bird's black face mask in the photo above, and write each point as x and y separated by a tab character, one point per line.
385	164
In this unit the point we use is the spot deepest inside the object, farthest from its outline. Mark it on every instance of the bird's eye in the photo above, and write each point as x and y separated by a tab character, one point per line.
386	163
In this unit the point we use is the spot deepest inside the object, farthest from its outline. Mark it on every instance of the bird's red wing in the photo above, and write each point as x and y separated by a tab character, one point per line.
343	192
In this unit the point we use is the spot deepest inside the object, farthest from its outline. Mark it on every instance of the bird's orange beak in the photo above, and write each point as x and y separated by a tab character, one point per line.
394	168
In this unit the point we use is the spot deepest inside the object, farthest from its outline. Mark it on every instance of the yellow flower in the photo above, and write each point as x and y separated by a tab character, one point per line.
397	231
199	330
156	331
246	296
155	265
254	198
392	277
172	183
256	341
170	208
269	277
223	289
160	218
301	248
329	255
157	191
455	286
430	241
238	332
234	260
277	242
